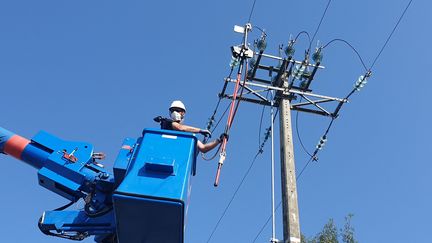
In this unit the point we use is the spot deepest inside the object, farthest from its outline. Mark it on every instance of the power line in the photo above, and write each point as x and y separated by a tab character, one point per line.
312	157
352	47
319	25
391	34
331	123
211	119
261	119
260	151
220	119
298	134
232	197
251	12
303	32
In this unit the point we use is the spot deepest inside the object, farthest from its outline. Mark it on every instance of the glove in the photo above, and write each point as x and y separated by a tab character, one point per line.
157	119
222	136
206	133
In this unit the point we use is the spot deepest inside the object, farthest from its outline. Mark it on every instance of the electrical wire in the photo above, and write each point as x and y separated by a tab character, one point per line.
352	47
260	151
251	12
319	25
298	133
302	32
304	167
205	139
233	196
220	119
261	119
211	119
313	157
391	34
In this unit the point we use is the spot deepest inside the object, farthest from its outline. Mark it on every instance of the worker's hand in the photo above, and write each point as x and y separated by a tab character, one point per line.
222	136
206	133
157	119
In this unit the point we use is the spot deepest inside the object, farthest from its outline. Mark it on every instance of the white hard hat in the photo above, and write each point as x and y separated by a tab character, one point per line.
177	104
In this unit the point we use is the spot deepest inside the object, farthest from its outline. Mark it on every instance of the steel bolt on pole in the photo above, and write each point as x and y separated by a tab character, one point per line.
291	224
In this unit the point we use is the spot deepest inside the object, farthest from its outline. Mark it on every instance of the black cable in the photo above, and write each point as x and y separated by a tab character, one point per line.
391	34
253	7
260	151
319	25
298	133
205	139
331	123
214	155
304	167
352	47
263	227
64	206
232	197
211	119
303	32
261	119
262	31
220	119
312	158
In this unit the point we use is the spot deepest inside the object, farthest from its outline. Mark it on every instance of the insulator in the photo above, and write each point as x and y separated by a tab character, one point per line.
234	62
262	44
321	143
306	74
360	83
289	50
298	71
317	56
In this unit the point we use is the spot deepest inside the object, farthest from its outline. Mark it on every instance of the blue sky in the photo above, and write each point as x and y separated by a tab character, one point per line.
99	71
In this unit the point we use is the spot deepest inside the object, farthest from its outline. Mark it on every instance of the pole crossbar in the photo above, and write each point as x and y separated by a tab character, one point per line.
292	60
292	90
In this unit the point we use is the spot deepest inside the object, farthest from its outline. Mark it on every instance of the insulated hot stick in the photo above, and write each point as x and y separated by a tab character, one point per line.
228	126
242	52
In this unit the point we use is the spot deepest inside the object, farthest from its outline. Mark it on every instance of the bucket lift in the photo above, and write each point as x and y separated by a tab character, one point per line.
145	200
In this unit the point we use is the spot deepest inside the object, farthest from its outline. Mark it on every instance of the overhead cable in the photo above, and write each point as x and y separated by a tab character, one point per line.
232	197
391	34
251	12
319	25
260	151
352	47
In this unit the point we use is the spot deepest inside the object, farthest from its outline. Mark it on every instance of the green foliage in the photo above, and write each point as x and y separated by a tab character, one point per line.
348	231
330	234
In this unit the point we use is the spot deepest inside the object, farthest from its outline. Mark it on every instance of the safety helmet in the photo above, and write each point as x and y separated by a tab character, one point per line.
177	104
175	114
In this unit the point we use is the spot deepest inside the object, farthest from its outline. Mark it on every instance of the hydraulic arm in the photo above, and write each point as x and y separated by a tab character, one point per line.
144	199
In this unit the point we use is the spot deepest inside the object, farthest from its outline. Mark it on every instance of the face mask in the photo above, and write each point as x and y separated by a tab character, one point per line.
176	116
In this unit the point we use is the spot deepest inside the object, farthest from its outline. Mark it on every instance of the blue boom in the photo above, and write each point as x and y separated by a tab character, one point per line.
144	200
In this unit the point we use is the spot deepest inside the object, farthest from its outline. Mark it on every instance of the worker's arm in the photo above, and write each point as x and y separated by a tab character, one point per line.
204	148
185	128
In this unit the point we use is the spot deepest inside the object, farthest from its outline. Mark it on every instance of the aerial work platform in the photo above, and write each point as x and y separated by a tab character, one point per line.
145	200
151	202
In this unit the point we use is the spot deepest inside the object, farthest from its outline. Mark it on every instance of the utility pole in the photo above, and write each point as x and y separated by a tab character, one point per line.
290	79
291	224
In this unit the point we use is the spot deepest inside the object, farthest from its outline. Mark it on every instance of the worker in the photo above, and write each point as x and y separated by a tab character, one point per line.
177	113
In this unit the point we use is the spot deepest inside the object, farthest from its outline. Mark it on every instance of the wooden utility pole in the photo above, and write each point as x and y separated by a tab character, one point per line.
291	224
